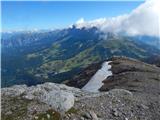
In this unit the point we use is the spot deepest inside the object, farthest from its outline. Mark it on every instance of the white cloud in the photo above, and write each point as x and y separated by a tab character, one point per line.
80	21
144	20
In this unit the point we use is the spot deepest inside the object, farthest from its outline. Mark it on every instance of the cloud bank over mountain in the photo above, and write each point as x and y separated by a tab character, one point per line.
144	20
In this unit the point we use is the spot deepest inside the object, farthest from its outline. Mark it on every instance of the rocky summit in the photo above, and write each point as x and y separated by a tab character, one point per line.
131	92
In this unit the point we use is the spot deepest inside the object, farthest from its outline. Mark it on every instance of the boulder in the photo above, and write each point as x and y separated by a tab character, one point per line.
59	97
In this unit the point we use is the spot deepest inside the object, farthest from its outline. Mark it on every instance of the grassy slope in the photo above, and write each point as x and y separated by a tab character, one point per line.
71	53
96	53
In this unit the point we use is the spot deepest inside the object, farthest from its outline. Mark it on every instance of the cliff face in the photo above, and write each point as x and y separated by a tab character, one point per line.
131	92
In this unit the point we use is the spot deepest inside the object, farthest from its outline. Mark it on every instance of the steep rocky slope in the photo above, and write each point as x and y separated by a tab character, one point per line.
133	75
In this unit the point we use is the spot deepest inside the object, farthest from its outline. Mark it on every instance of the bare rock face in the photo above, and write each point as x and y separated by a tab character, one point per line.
59	97
14	91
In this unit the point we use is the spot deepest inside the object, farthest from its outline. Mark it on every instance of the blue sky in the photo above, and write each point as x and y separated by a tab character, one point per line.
46	15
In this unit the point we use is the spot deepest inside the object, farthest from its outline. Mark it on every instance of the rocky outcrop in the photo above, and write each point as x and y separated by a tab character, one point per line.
59	97
43	101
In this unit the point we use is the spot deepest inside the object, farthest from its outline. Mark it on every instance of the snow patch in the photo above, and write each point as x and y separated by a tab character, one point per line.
95	83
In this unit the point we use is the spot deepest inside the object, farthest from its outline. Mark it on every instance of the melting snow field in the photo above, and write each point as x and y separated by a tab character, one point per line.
96	81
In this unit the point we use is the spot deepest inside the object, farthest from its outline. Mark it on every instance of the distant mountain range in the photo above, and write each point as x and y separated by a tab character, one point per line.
55	56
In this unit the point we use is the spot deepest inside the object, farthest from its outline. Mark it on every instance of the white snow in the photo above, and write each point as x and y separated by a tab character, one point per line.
96	81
